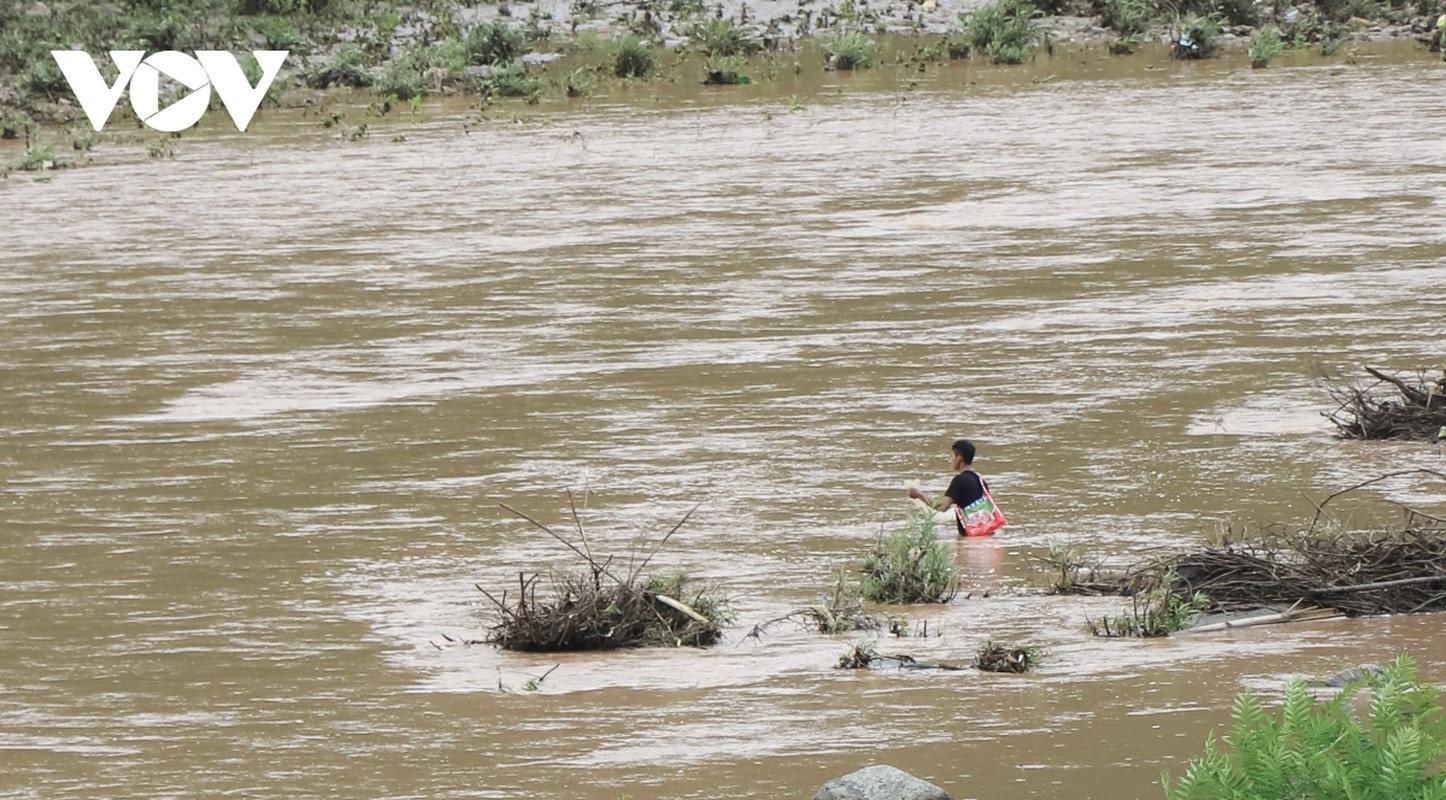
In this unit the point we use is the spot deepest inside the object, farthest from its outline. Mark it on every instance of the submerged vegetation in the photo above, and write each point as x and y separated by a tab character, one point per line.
910	565
604	606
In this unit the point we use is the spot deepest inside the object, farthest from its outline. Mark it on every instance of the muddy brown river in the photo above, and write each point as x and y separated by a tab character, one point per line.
261	402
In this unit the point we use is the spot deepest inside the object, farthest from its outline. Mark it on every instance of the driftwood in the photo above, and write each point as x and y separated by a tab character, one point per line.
1415	411
603	606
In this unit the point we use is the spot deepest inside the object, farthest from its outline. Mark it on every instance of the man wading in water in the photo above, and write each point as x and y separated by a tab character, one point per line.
964	490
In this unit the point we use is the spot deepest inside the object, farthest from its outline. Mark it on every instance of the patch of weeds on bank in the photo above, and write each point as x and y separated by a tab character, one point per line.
725	71
722	37
1196	36
850	51
1003	30
633	58
1265	46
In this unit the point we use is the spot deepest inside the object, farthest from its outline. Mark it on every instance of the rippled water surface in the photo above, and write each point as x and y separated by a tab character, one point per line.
261	403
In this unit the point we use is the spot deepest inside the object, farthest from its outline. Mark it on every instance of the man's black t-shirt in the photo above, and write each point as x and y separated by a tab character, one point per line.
965	488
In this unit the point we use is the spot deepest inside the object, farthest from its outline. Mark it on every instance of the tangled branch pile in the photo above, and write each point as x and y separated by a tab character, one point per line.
996	657
1415	411
604	607
1402	572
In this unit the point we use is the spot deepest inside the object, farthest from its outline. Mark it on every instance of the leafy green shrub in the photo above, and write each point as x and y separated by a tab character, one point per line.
493	43
633	58
1197	37
909	566
402	79
1318	750
850	51
39	155
1265	46
348	67
580	83
1004	30
280	33
1126	17
44	77
725	70
512	80
720	37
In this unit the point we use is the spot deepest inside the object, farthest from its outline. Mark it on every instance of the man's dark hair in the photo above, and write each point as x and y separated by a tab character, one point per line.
965	449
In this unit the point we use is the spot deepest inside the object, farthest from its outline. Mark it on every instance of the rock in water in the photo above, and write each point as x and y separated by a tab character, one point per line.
880	782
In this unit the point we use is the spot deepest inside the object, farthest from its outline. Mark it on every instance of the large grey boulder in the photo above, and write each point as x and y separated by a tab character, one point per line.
880	782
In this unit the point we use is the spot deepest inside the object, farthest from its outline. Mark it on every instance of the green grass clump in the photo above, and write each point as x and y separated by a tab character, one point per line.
401	79
39	155
725	70
851	51
1126	17
348	67
720	37
909	566
633	58
493	43
1004	30
1160	612
1265	46
513	81
1319	750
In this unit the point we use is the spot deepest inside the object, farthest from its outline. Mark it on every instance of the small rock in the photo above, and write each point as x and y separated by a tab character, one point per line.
880	782
38	10
1349	675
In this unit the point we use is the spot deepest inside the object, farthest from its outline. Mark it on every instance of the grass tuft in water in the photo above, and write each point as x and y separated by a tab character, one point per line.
1004	30
909	565
633	58
1265	46
851	51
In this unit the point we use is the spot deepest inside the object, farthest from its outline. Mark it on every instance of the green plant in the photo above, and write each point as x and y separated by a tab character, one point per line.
1004	30
725	70
494	43
348	67
1160	612
280	33
909	566
632	57
580	82
512	80
44	77
1126	17
1265	46
1197	36
859	655
402	79
720	37
1319	750
850	51
39	155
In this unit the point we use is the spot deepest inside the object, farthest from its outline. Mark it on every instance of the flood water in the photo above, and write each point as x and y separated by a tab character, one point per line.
261	403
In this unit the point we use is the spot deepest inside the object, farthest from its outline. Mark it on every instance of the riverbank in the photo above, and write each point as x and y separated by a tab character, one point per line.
510	57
